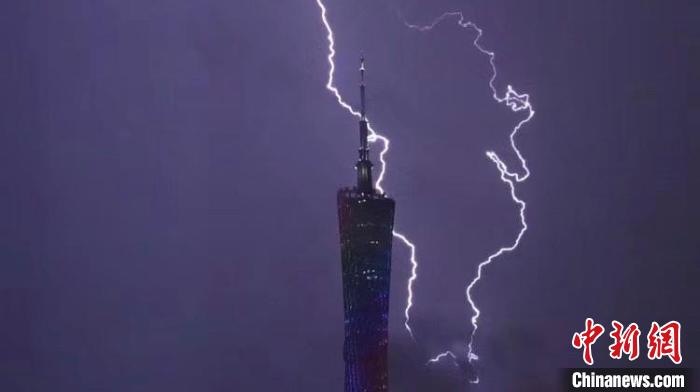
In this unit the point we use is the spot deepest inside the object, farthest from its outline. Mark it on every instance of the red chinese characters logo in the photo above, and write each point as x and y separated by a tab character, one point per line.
625	341
665	341
662	341
586	339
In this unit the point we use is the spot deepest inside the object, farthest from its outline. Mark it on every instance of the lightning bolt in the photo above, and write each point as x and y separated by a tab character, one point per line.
513	100
373	137
517	103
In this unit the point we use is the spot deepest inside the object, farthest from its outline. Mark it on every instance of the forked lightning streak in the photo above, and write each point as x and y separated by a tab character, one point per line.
513	100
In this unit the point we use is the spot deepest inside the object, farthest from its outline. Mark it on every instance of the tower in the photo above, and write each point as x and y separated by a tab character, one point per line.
366	220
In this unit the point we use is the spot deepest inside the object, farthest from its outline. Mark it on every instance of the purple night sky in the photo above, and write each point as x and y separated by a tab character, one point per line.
168	173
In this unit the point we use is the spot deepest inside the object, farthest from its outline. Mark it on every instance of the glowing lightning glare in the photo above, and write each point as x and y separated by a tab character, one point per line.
374	136
516	102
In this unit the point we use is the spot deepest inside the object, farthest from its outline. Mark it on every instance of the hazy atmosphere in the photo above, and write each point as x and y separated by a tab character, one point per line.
169	171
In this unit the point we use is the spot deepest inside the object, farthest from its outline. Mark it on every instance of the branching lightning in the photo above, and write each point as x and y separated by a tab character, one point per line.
513	100
374	136
443	355
516	102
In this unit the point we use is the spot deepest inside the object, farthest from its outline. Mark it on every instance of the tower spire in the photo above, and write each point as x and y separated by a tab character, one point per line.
364	165
366	221
362	88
